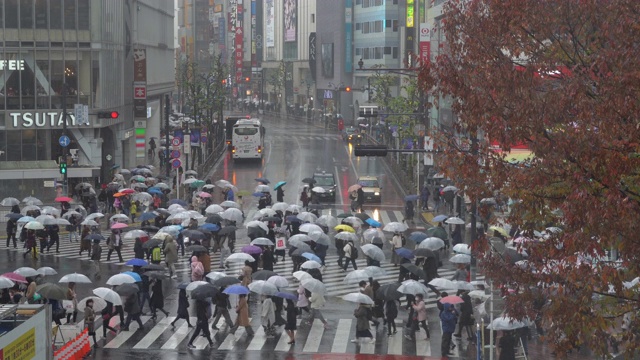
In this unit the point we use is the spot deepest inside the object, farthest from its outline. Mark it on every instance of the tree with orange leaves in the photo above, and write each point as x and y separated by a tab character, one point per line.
561	77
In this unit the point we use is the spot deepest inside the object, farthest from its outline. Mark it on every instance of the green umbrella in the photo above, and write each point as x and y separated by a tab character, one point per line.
344	215
197	184
438	232
138	178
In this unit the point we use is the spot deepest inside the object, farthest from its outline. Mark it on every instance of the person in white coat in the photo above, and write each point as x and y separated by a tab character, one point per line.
268	316
317	302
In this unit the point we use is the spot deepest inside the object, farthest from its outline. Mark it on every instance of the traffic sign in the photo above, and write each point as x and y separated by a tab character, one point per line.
175	141
175	154
64	141
203	139
176	163
81	113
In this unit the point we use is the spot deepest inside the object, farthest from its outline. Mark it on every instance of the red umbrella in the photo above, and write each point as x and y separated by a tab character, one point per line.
63	199
451	299
15	277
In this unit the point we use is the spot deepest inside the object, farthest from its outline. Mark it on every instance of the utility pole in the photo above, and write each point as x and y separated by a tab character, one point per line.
473	209
167	112
65	149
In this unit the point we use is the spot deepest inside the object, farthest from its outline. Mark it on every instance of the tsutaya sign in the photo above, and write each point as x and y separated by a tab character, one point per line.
11	64
41	120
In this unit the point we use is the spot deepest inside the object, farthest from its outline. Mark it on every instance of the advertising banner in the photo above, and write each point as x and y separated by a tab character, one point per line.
348	32
290	20
312	54
239	44
270	27
425	42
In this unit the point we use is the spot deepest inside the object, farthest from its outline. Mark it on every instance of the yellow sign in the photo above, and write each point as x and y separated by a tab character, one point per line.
410	13
22	348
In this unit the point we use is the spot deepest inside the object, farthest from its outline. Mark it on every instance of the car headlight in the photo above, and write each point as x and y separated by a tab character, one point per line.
376	193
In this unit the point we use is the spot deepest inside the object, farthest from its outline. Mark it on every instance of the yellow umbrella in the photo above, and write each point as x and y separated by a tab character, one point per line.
346	228
502	231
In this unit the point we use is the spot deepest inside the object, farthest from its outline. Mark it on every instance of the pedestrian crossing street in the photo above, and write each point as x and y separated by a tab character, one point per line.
310	338
305	137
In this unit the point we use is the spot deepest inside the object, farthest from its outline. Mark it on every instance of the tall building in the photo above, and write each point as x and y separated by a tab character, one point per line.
80	52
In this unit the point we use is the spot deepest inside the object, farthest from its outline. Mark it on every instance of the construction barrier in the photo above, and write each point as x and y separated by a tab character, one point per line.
75	349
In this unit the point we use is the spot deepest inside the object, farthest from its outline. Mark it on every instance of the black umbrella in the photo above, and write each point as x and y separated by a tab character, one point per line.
92	237
52	291
153	267
512	255
377	240
150	228
389	292
301	250
272	219
193	234
263	275
227	230
151	243
197	248
362	216
256	232
156	275
421	252
308	181
315	273
14	216
204	291
214	219
183	285
127	289
226	281
415	270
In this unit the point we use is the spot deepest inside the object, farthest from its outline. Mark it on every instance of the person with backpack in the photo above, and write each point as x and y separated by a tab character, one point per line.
351	254
96	253
156	255
396	243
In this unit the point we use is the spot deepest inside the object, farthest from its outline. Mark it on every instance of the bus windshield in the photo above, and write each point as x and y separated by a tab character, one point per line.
245	131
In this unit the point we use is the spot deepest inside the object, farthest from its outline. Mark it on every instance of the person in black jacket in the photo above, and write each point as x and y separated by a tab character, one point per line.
390	315
138	250
267	259
54	237
222	309
12	228
183	308
157	299
202	324
107	313
466	315
279	304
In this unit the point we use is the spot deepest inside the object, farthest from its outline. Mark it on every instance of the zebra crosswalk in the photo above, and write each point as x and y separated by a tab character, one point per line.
305	137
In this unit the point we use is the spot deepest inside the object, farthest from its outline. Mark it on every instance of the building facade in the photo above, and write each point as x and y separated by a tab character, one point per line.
78	52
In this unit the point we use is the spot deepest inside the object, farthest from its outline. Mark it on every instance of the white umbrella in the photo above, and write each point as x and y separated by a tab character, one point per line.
506	323
75	278
413	287
45	270
89	222
50	210
183	215
263	288
265	212
328	221
346	236
280	206
119	218
309	227
262	242
34	225
8	283
359	298
356	276
294	209
395	226
307	216
175	208
213	209
450	188
108	295
462	285
300	237
431	243
310	264
189	181
133	234
371	233
10	201
119	279
94	216
462	249
98	303
230	204
259	224
479	294
442	283
62	222
373	252
314	285
353	221
233	214
215	275
460	259
279	281
26	271
29	208
194	284
319	190
454	221
71	213
301	275
240	257
30	200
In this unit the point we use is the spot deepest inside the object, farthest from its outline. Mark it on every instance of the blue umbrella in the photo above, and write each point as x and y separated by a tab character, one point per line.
292	218
440	218
280	183
311	256
373	223
258	194
13	216
418	236
135	276
136	262
263	180
147	216
26	219
286	295
179	202
411	197
236	289
154	190
210	227
405	253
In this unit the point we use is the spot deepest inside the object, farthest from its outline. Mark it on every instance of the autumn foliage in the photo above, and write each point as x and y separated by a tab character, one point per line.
562	77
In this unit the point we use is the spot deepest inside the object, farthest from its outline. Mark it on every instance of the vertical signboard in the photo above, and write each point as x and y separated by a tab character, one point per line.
348	32
425	42
270	27
140	83
233	13
254	58
259	33
222	32
239	43
290	20
410	13
312	54
141	136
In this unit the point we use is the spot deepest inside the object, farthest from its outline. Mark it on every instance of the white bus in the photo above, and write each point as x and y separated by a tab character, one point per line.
248	139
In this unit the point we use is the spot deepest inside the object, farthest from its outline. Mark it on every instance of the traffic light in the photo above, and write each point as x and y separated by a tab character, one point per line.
347	89
370	150
63	167
108	114
224	81
247	79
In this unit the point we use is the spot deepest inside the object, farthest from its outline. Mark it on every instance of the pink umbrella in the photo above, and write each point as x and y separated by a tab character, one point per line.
204	194
451	299
15	277
127	191
251	250
119	226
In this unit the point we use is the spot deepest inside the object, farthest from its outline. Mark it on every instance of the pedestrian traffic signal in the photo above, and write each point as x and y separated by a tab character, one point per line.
63	167
108	114
370	150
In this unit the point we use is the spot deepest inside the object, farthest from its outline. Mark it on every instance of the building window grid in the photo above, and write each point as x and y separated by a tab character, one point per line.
371	27
377	53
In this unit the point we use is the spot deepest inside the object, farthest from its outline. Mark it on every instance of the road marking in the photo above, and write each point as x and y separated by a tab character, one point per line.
385	217
315	337
178	336
153	334
366	347
335	168
423	347
341	339
259	338
398	215
123	336
394	346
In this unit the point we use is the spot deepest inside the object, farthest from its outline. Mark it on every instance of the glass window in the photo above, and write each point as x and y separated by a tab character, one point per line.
14	148
245	131
3	144
358	26
395	25
365	28
55	14
387	50
378	26
387	23
70	14
41	144
42	14
27	82
395	52
1	17
358	51
11	12
26	14
29	145
43	80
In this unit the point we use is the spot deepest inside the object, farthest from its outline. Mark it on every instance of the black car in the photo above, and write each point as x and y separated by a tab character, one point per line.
327	181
